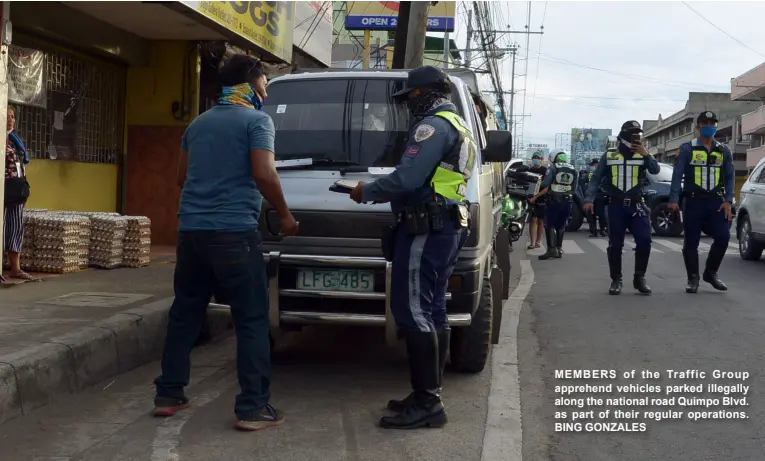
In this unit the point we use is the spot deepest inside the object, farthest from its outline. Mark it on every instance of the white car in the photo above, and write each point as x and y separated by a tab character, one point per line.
750	220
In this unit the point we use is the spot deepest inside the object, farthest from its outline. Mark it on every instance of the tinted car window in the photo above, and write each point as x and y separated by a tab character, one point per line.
340	119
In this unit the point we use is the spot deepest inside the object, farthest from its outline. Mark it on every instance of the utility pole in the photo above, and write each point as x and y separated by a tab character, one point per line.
469	38
402	29
510	123
415	40
446	50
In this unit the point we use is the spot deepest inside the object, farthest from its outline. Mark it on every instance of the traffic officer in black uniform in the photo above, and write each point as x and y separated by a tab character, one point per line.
537	209
559	184
621	175
426	193
705	173
599	215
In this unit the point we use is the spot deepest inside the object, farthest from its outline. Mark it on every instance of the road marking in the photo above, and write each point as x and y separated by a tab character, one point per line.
602	244
671	245
704	246
503	436
733	249
168	434
570	247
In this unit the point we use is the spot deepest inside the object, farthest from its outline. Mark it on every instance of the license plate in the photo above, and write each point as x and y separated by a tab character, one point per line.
338	280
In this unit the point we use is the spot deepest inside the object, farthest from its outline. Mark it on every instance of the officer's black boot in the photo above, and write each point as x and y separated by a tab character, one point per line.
559	242
714	259
615	269
444	336
641	266
691	259
593	225
551	240
426	408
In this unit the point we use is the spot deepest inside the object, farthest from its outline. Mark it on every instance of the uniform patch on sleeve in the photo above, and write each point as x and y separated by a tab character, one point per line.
412	150
423	132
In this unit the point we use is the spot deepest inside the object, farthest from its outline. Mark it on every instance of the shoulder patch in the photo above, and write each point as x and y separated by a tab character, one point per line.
423	132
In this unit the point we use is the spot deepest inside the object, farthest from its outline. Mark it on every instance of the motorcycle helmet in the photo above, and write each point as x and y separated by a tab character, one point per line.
559	156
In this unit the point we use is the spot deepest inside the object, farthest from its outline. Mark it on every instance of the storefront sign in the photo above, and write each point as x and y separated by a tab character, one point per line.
384	16
266	24
313	30
26	77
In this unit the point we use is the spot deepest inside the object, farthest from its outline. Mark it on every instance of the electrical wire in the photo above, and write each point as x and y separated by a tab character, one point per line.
721	30
539	53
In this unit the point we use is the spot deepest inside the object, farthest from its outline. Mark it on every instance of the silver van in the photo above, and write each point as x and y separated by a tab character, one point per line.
343	124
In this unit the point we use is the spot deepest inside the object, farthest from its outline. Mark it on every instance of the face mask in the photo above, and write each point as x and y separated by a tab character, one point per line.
708	131
536	161
256	99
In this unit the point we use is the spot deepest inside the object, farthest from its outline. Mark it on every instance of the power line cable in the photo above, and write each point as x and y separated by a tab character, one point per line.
539	53
721	30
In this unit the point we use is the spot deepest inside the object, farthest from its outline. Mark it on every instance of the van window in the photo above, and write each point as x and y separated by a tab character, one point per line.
344	120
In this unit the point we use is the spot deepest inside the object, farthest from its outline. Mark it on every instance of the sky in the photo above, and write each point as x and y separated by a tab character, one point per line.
599	64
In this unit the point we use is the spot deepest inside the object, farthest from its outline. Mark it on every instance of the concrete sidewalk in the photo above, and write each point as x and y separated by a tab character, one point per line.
63	334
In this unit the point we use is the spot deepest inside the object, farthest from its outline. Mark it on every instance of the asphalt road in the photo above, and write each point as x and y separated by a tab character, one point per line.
332	384
569	322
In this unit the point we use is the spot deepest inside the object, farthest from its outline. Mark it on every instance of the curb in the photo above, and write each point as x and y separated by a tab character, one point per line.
34	376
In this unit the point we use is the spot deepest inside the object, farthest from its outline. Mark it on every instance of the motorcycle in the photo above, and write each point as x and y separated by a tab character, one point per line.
521	186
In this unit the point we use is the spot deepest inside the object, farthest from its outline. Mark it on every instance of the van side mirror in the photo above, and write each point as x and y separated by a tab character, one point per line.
499	147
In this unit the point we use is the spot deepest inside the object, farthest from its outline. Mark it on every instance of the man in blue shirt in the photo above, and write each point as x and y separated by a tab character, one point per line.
705	175
226	167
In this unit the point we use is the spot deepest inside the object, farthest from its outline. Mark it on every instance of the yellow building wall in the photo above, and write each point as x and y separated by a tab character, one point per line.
75	186
151	90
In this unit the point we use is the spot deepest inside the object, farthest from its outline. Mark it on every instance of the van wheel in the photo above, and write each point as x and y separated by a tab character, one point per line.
470	345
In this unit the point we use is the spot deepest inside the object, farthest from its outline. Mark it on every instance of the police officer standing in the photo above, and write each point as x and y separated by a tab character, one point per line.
704	172
536	226
599	215
621	175
559	184
426	193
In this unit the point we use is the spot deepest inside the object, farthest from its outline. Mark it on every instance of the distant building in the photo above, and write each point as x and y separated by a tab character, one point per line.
750	87
665	135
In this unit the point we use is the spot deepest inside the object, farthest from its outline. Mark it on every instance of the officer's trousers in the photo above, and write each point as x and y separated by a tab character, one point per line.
599	214
635	217
702	214
558	211
422	265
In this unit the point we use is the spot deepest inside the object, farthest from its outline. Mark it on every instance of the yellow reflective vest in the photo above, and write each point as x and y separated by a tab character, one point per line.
450	177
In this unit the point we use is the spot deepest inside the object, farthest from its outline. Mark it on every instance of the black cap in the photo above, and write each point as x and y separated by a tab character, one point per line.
594	162
632	126
421	76
706	116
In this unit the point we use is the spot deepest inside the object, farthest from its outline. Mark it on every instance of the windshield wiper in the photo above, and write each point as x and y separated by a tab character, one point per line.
298	161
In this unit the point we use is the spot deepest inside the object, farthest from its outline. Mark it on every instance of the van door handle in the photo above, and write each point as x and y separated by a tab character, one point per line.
752	189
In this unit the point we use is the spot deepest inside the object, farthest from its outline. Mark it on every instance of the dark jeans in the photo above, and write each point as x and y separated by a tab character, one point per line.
229	263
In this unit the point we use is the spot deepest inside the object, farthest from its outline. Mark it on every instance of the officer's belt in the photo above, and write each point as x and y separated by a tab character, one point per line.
625	201
450	212
703	194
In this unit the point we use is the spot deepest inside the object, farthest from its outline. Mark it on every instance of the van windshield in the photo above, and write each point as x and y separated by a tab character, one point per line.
339	120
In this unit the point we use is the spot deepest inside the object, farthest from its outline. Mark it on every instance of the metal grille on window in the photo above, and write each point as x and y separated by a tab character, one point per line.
88	96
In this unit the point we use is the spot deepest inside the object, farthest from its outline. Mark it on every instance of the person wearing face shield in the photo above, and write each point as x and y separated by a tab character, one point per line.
599	209
537	211
704	176
427	194
621	174
558	185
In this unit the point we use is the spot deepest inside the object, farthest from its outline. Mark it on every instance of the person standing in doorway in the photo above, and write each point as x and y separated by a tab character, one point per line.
226	168
537	211
16	195
705	174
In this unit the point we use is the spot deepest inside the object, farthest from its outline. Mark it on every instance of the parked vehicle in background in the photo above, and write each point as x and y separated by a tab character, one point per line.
750	220
340	123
